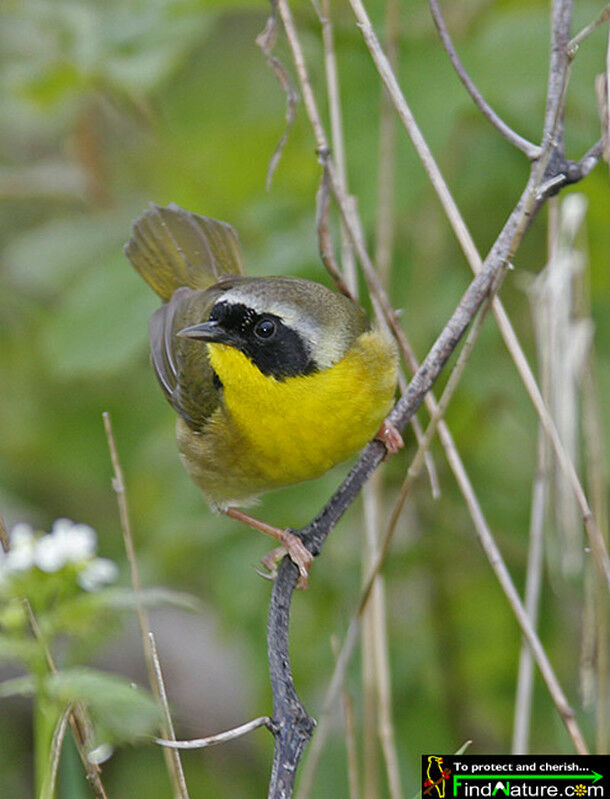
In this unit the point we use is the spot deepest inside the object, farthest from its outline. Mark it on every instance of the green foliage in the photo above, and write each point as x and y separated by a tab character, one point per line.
120	710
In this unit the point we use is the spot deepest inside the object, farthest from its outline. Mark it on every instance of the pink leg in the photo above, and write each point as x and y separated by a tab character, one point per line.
291	545
389	435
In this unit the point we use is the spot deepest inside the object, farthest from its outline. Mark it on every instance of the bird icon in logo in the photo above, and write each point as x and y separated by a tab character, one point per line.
436	776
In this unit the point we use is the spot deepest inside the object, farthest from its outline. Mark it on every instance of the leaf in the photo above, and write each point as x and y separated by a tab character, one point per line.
17	648
42	259
76	616
102	322
123	711
19	686
125	598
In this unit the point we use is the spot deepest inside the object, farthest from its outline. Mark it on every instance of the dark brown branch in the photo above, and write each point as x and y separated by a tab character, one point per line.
530	149
292	724
566	171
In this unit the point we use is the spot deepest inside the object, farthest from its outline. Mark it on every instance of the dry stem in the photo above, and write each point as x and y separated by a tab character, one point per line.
289	713
172	759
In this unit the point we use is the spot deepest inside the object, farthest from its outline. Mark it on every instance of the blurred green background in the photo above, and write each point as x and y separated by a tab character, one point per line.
107	106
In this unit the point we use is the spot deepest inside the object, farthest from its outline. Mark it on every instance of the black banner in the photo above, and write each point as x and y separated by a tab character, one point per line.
515	776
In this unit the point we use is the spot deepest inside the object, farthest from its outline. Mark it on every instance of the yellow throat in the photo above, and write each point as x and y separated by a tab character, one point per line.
286	431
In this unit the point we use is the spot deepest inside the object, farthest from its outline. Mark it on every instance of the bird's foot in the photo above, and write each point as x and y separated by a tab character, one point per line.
390	437
292	545
298	553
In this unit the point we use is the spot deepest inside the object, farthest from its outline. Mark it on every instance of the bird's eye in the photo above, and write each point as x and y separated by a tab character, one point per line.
264	329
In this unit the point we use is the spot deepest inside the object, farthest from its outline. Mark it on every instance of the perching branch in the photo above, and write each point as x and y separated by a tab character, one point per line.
547	168
292	721
292	724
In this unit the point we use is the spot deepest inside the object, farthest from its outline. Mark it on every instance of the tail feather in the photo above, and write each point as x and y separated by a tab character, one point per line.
171	247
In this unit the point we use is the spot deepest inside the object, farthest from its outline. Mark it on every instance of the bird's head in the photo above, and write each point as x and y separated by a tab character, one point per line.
286	326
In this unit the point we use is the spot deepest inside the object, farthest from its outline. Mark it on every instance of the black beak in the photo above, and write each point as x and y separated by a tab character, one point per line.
207	331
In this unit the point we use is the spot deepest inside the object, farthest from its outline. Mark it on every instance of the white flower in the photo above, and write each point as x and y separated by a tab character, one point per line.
66	543
48	554
77	541
21	555
98	573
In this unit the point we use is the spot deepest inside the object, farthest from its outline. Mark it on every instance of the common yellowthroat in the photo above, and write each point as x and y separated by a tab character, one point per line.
274	379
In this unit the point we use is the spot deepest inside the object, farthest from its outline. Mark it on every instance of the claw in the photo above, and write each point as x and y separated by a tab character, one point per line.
291	546
265	575
390	437
298	554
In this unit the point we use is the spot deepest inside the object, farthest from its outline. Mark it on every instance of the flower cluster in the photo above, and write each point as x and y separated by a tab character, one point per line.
68	544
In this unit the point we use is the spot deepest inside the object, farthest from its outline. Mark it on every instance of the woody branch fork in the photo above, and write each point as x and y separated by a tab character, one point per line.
550	171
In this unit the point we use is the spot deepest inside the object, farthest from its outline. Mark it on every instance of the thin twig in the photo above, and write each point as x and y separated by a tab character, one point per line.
323	727
374	615
386	179
533	582
553	132
336	126
532	151
160	683
386	175
79	721
172	759
377	705
327	255
4	541
219	738
552	120
59	733
325	243
598	480
350	731
265	40
597	476
577	40
417	462
289	713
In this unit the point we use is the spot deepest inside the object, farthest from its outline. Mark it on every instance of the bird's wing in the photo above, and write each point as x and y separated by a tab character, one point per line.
181	365
171	247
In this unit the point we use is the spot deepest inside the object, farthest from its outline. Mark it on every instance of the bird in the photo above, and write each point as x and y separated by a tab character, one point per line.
274	380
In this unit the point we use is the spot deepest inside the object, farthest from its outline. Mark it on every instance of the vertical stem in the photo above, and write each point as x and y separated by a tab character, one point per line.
384	241
348	261
172	756
353	772
384	232
598	487
45	719
370	619
525	679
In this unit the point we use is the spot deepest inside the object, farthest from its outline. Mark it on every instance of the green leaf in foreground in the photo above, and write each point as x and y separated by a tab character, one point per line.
120	710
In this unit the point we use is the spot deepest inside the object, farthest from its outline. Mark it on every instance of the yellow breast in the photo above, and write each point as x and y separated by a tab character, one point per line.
276	432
